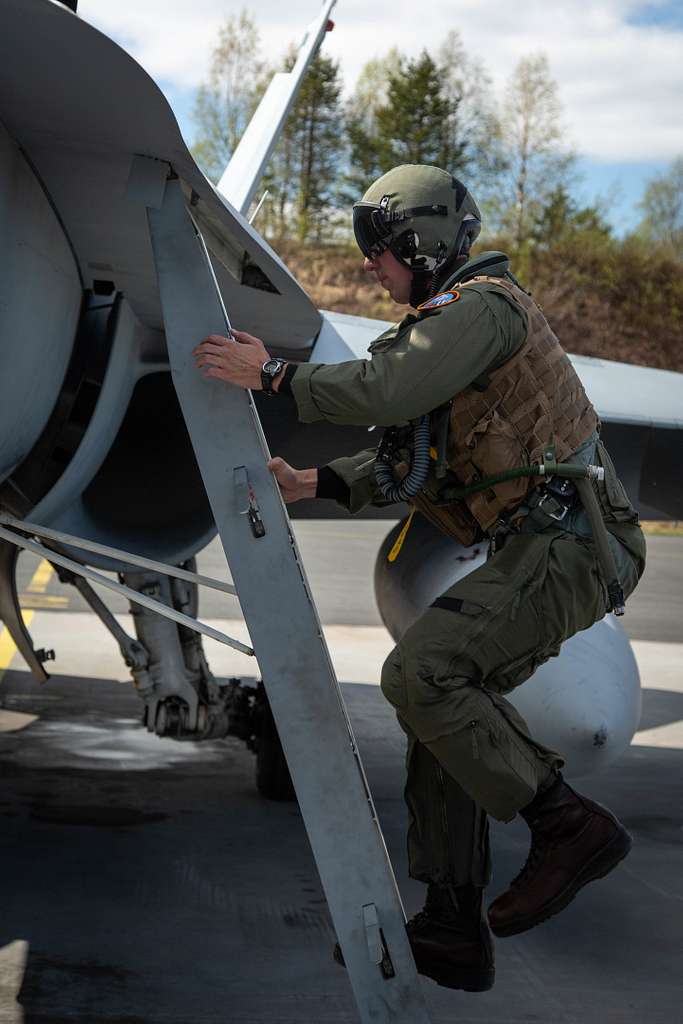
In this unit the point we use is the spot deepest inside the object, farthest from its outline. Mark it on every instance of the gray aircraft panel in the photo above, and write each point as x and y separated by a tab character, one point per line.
40	297
621	392
81	129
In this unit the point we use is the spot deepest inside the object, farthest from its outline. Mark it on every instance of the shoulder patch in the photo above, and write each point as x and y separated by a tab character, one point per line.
442	299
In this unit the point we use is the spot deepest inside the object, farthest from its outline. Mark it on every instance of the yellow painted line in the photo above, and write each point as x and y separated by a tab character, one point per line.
15	721
8	647
41	578
29	600
38	585
13	959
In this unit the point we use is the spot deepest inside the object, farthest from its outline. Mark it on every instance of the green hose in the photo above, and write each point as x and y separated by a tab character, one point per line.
562	469
583	476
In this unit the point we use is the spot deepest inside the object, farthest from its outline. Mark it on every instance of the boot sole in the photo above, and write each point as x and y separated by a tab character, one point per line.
600	864
448	976
445	974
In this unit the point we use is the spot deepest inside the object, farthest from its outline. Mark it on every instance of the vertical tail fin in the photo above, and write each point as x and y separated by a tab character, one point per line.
242	175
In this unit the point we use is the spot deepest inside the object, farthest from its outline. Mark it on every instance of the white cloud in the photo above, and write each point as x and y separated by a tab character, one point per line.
620	83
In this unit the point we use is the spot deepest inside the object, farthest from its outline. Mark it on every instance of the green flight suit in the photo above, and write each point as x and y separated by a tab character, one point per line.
469	751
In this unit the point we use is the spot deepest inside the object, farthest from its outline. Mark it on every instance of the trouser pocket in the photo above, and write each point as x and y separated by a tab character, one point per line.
494	759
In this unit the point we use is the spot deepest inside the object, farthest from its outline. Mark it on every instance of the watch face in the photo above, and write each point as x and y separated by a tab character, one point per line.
272	366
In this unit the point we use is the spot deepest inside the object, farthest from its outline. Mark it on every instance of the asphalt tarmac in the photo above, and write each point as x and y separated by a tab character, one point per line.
145	881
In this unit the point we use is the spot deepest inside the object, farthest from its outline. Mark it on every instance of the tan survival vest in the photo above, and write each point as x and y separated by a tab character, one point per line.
534	398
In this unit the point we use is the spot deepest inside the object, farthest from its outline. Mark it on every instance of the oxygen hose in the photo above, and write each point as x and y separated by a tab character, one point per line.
419	469
449	494
582	475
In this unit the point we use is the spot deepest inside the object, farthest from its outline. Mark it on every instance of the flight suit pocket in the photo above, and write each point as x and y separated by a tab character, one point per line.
488	762
497	590
614	501
525	758
492	445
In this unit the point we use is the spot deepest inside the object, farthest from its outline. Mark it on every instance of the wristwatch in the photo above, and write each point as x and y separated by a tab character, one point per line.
269	372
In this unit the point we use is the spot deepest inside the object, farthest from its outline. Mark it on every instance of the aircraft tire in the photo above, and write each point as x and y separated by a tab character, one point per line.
273	780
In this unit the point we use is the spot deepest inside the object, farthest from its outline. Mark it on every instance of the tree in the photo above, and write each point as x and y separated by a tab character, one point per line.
562	219
360	116
413	127
428	110
662	206
474	126
224	104
302	176
538	162
409	120
316	129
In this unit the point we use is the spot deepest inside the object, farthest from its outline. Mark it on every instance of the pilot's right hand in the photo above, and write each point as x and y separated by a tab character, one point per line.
294	484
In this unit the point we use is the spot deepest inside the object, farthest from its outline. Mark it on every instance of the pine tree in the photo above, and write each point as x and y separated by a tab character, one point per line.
563	219
302	176
409	118
369	96
413	127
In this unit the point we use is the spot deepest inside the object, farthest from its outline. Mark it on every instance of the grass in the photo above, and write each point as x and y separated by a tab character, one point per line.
623	307
653	528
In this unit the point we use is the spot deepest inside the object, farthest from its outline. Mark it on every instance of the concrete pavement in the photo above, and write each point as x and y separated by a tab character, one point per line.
143	880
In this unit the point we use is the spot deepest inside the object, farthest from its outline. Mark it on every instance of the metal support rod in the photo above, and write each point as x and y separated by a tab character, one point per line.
128	592
126	643
123	556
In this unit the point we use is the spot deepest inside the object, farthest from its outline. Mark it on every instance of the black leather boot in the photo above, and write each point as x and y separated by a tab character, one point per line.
450	939
573	841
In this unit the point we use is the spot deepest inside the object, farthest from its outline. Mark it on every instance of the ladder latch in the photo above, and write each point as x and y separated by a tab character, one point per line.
377	947
246	501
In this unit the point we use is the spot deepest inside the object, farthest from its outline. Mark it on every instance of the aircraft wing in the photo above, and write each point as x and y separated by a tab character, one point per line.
641	409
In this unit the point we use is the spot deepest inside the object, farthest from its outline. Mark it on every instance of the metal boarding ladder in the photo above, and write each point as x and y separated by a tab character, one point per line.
285	631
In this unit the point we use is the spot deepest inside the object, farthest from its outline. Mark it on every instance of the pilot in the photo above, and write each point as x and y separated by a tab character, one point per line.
470	383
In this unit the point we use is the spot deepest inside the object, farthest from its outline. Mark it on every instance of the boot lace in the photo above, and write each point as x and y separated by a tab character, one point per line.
432	911
418	921
533	860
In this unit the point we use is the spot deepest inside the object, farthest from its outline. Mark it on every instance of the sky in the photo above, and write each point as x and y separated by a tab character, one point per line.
618	64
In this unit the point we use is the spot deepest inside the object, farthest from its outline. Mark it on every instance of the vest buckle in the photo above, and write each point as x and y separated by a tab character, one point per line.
552	507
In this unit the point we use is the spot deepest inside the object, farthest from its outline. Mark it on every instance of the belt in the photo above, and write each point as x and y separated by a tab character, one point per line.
552	500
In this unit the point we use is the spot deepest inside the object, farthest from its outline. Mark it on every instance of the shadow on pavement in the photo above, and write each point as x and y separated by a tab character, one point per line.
167	890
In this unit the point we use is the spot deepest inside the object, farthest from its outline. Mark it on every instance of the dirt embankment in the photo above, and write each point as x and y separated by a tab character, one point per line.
620	303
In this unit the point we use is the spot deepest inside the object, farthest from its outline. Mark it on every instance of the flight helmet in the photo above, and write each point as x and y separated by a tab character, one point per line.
423	215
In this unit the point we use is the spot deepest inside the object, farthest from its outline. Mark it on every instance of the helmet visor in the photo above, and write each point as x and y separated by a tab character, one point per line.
371	230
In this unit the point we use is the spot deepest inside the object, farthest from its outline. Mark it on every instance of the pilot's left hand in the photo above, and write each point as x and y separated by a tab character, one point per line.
237	360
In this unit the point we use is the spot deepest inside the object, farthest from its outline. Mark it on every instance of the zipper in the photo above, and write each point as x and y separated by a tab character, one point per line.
475	743
444	815
475	754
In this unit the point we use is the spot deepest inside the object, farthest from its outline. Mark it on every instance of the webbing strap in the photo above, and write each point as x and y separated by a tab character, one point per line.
449	604
457	604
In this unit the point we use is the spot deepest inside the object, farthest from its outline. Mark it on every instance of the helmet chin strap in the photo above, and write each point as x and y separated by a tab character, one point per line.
424	286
